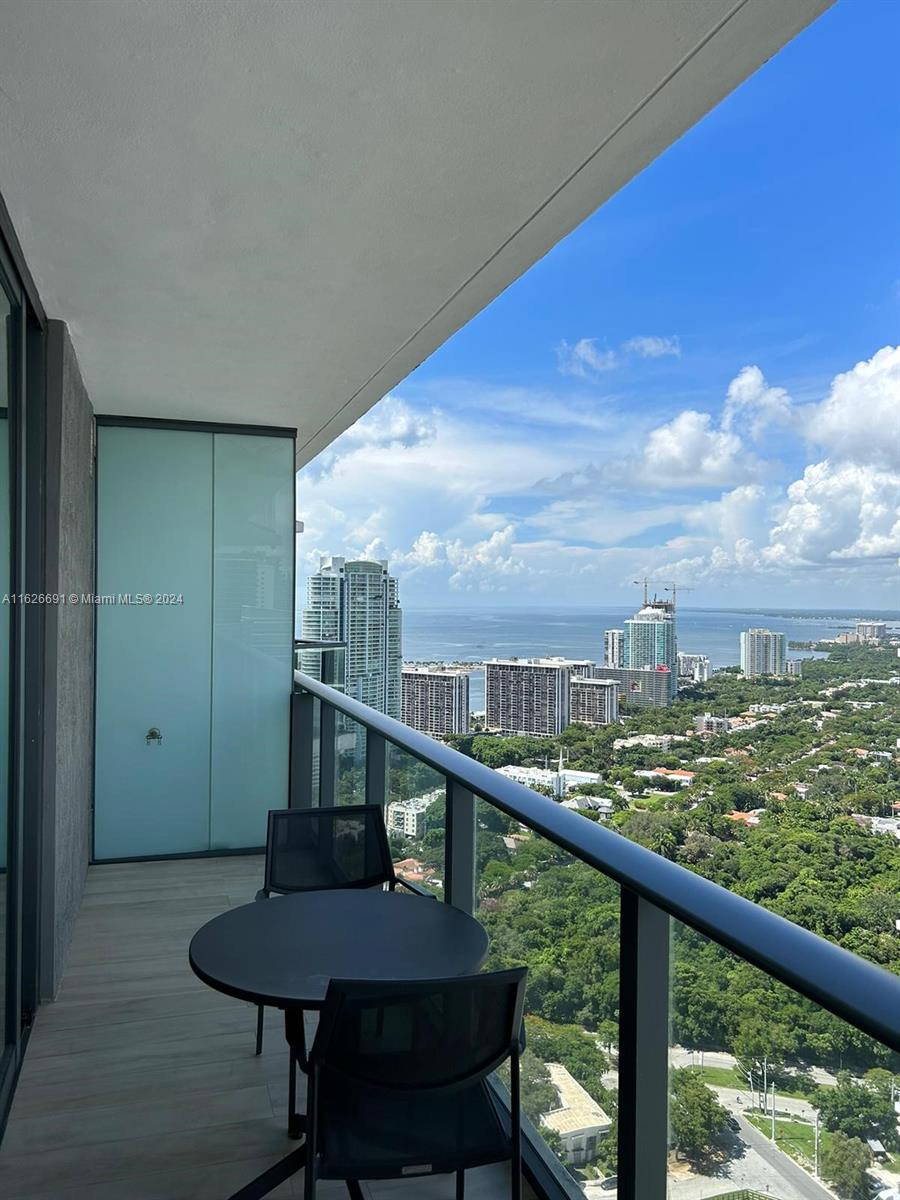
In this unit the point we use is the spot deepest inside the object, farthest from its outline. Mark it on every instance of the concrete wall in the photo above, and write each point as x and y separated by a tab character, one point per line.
69	653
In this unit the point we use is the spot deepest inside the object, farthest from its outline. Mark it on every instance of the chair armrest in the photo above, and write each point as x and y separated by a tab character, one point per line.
262	894
415	888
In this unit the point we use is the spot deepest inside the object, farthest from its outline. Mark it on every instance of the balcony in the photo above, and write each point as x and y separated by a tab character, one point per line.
141	1082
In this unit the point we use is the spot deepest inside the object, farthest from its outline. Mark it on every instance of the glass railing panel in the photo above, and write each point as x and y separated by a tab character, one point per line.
544	909
322	662
349	761
769	1092
416	819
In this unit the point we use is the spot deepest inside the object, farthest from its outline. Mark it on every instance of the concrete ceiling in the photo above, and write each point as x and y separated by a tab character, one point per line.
272	210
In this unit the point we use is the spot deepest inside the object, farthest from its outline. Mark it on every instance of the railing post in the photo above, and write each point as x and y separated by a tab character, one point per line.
376	768
643	1049
459	864
326	755
302	719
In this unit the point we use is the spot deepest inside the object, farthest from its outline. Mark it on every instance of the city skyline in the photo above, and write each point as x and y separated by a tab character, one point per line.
677	388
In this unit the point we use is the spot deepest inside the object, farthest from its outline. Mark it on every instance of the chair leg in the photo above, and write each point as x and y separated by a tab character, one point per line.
260	1013
356	1192
293	1119
460	1185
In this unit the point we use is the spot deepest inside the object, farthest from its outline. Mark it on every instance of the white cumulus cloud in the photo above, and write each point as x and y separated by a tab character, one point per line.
860	418
750	397
837	513
690	451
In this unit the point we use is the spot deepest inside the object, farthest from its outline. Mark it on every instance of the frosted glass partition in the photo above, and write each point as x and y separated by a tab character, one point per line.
253	619
154	533
193	688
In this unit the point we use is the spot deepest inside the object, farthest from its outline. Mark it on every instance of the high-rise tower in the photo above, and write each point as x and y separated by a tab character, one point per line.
650	642
357	603
762	652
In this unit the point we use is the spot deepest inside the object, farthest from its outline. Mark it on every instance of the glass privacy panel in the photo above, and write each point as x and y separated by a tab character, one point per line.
416	818
253	579
544	909
770	1094
349	763
5	482
154	533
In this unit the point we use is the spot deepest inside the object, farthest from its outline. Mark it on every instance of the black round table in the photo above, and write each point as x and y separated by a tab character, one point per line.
283	952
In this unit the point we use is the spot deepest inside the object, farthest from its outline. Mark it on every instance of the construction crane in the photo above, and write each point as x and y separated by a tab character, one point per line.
674	589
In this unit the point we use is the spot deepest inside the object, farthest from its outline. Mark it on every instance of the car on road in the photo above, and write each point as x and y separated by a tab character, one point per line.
610	1184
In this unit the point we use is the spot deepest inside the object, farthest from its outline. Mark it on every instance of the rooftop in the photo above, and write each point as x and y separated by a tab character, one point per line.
578	1111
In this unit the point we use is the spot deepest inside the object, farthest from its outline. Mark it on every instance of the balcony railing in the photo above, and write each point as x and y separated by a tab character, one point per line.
653	892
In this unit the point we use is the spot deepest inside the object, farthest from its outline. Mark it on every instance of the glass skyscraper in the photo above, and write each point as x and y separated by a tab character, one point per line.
650	642
357	603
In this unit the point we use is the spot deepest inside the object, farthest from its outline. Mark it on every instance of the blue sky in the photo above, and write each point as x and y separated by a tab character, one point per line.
701	383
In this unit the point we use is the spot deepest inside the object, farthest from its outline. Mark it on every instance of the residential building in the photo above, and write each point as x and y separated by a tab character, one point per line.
602	805
872	631
708	723
794	666
436	699
641	687
408	817
356	603
579	1121
694	667
614	648
649	741
750	818
593	701
762	652
529	695
650	641
557	781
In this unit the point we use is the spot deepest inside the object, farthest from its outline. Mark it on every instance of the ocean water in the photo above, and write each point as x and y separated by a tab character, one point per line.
471	636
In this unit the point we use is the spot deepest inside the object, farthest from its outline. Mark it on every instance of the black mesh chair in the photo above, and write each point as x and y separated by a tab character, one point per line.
398	1080
315	849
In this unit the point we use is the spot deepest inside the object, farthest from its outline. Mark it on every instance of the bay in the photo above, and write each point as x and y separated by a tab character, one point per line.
471	636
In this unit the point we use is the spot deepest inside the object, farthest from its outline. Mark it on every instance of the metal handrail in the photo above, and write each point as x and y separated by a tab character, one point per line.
859	992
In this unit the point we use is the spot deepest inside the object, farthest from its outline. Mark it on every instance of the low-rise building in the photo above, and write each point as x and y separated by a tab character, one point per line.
750	818
794	666
882	825
708	723
597	804
407	817
649	741
558	781
579	1121
682	778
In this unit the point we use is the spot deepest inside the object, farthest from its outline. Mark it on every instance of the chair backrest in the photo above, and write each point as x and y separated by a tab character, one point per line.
314	849
433	1033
